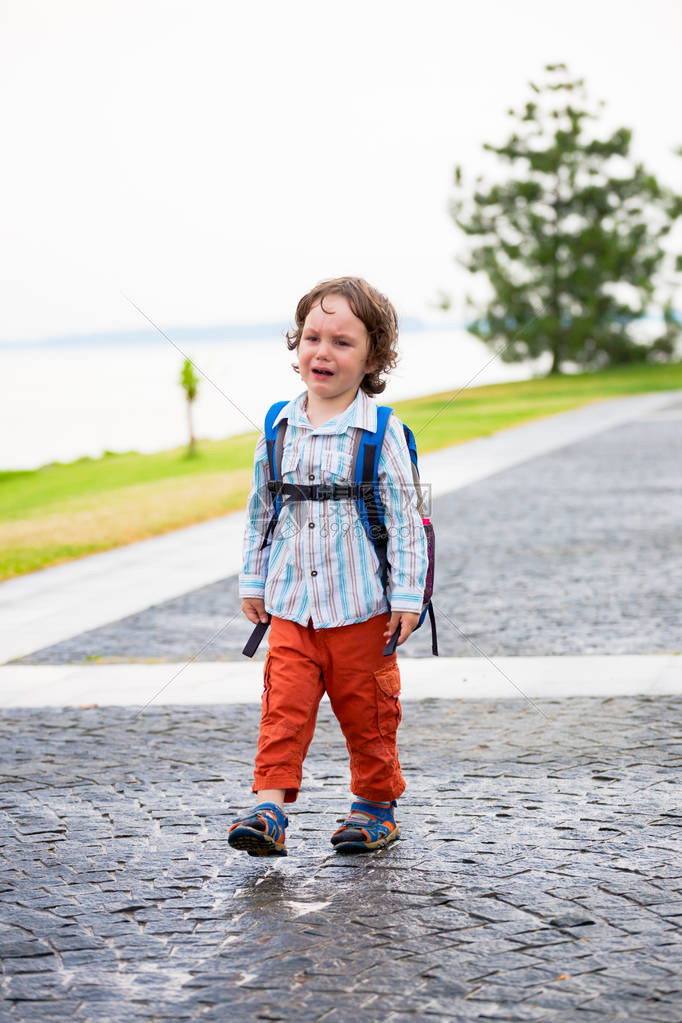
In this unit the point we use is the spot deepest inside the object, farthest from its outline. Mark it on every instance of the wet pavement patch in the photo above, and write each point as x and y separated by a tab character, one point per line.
537	878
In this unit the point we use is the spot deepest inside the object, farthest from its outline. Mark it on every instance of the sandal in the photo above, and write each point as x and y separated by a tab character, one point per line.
367	827
261	832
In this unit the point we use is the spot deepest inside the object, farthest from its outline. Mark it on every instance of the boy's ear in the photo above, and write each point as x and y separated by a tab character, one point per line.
371	363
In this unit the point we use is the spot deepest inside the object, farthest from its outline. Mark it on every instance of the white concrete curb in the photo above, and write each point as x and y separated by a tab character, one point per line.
449	678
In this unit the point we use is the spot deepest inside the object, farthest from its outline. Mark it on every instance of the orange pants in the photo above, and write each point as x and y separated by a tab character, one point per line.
363	686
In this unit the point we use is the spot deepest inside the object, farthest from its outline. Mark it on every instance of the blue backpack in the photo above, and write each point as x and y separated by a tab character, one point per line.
364	490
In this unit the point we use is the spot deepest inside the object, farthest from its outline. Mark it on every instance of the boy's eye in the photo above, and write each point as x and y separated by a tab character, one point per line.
314	337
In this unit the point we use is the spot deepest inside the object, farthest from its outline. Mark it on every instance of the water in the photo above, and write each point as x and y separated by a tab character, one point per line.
62	403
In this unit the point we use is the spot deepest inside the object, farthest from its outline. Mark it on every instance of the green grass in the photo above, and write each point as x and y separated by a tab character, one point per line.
34	491
454	417
67	510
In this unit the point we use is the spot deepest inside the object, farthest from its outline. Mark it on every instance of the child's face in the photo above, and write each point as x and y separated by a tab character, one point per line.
333	351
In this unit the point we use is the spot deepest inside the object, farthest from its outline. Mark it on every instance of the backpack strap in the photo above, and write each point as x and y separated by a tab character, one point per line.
427	609
274	441
393	641
253	642
434	634
412	448
365	473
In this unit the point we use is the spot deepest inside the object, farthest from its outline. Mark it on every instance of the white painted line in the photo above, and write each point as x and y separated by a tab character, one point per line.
448	678
46	607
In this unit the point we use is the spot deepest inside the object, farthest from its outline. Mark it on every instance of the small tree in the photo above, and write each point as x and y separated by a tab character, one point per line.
190	384
572	244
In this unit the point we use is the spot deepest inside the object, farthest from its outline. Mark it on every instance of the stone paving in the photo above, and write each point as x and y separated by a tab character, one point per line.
539	876
575	552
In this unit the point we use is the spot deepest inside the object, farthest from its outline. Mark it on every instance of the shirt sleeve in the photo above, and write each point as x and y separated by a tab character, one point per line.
407	551
259	509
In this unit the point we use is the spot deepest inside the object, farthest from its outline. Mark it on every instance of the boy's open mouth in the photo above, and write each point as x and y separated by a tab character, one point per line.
323	372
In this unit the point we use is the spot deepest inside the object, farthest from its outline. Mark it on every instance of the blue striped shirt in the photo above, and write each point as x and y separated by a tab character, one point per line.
321	565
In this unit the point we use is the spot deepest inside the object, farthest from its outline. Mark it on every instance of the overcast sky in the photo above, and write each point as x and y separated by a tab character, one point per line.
213	160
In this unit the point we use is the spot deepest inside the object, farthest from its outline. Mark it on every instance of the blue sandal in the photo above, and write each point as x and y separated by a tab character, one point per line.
367	827
261	832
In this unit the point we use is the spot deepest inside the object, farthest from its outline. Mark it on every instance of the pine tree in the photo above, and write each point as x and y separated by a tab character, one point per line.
572	243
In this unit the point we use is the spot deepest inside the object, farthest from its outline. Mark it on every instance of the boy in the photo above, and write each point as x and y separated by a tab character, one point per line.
319	578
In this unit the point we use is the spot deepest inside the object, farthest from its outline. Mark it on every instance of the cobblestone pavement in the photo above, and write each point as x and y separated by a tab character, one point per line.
539	876
576	552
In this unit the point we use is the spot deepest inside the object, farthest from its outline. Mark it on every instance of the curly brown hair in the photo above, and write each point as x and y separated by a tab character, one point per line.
375	311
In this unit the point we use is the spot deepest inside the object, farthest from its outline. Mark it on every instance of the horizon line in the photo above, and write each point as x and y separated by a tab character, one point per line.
221	332
214	333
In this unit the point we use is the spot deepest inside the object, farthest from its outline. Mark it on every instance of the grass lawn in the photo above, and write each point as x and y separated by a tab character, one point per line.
66	510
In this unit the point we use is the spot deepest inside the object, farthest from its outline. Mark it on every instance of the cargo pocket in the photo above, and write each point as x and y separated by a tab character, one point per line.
265	699
278	722
388	705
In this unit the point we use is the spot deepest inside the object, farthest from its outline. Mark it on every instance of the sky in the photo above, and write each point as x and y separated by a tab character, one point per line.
211	161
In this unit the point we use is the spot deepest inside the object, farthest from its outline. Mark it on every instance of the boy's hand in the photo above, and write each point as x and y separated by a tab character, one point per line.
408	622
254	609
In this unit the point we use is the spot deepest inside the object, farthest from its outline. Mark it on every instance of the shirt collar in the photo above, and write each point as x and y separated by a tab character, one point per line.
362	412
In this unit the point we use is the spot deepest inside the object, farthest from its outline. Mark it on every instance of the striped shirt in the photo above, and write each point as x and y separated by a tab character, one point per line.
321	565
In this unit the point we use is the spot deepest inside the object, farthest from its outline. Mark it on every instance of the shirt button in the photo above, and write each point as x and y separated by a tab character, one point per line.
314	572
311	525
311	476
